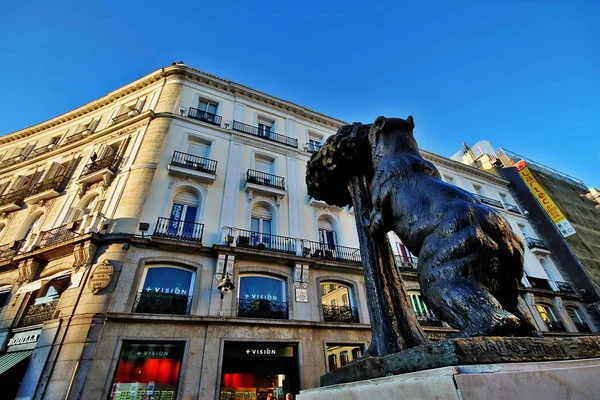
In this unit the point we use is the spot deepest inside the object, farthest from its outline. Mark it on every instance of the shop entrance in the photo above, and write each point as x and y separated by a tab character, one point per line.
252	370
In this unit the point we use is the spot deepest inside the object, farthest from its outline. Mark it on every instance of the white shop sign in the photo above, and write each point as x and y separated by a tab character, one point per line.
24	340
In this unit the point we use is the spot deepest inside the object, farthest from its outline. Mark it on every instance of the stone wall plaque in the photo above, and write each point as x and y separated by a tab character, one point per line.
101	276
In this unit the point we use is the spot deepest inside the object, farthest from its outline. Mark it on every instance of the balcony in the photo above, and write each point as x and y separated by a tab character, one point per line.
565	287
125	116
8	251
536	244
13	200
262	182
204	116
265	134
178	230
262	309
340	314
162	303
95	171
191	166
539	283
78	136
489	201
555	326
331	252
582	327
42	150
59	234
428	319
12	161
47	189
512	208
38	313
406	263
267	242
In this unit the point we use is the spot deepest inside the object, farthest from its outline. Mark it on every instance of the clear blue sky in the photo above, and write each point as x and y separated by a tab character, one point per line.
523	74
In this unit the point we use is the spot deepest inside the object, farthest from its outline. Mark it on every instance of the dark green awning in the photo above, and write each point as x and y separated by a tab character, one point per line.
9	360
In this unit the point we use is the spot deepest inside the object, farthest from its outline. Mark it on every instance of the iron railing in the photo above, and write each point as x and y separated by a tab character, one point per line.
111	162
196	163
15	197
12	161
490	201
7	252
59	234
42	150
162	303
57	183
539	283
178	230
565	287
204	116
555	326
264	133
406	263
582	327
342	314
512	208
38	313
263	309
125	116
264	179
331	252
266	241
428	319
77	136
536	243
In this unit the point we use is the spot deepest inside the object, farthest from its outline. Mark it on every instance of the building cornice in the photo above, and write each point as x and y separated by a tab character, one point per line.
455	165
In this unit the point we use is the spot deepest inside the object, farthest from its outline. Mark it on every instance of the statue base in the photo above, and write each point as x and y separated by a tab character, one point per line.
466	351
572	379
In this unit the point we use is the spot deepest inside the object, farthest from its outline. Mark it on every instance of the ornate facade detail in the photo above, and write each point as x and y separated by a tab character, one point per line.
103	185
27	270
83	254
8	217
253	195
266	146
203	187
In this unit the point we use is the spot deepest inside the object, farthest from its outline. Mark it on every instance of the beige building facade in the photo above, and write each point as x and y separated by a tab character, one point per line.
159	243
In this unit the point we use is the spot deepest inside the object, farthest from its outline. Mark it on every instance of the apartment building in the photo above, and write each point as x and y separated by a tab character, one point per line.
159	242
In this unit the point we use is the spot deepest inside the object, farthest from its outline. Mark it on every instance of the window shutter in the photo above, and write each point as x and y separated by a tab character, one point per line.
263	166
123	146
55	170
325	225
261	212
139	104
20	183
186	198
198	149
94	124
3	187
14	153
105	151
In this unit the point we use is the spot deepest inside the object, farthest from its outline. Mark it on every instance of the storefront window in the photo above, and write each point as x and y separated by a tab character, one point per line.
337	303
262	297
166	290
148	371
339	355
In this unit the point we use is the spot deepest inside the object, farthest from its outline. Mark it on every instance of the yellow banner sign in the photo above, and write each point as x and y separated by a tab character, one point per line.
539	193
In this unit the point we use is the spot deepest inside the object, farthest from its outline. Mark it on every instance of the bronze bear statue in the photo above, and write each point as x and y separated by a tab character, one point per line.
470	261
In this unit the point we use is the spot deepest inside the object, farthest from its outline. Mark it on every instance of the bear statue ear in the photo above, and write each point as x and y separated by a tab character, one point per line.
379	122
411	122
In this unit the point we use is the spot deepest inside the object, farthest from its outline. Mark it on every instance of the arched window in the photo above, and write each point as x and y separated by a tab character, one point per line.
327	234
166	290
550	318
332	360
578	320
346	353
425	316
262	297
183	219
337	302
344	359
43	302
261	225
28	235
4	295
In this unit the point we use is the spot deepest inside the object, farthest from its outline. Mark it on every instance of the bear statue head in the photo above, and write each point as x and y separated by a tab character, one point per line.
392	136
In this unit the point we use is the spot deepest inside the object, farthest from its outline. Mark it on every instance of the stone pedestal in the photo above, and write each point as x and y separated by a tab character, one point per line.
571	379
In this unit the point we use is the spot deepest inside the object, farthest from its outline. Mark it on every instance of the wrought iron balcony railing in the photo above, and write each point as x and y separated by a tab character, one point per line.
15	197
38	313
57	183
178	230
536	244
264	179
162	303
204	116
539	283
7	252
490	201
582	327
196	163
342	314
331	252
125	116
77	136
42	150
263	309
512	208
428	319
264	133
565	287
59	234
555	326
111	163
265	241
406	263
12	161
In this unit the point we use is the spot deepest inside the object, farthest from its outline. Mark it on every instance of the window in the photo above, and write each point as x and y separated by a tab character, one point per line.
262	297
43	302
208	106
166	290
338	303
266	127
549	317
339	355
129	110
184	214
425	316
264	164
27	239
261	225
149	370
4	295
327	236
575	316
199	148
314	143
